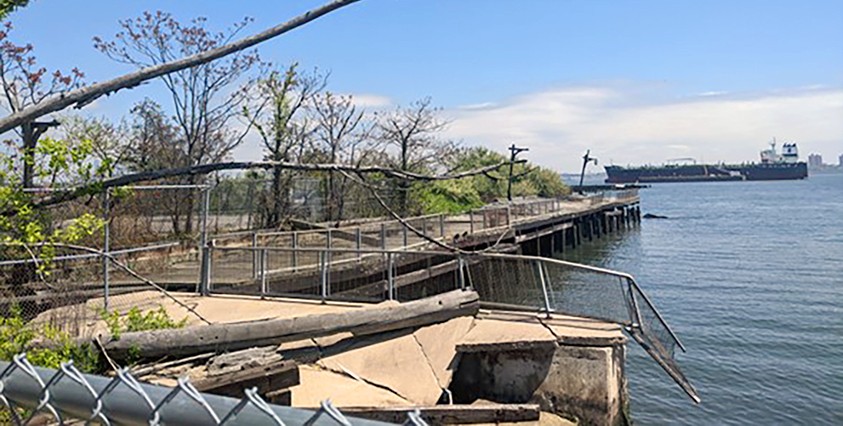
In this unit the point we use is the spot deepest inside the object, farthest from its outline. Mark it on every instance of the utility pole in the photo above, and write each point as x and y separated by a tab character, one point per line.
585	160
514	150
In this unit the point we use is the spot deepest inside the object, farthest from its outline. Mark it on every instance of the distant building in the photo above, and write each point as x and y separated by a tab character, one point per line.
815	160
840	161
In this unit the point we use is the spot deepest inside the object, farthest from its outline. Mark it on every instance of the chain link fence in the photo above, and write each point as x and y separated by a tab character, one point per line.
147	234
40	395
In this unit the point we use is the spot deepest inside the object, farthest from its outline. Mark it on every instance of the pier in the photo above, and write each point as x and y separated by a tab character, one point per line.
385	319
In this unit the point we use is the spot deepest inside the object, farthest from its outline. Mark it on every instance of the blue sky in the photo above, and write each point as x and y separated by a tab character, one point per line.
635	81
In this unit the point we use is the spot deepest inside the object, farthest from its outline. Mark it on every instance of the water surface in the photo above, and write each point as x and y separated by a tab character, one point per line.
750	276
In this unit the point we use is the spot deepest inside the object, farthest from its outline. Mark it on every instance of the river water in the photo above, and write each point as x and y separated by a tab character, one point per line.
750	276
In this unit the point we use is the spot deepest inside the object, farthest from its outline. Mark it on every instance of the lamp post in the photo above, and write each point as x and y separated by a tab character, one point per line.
514	150
587	158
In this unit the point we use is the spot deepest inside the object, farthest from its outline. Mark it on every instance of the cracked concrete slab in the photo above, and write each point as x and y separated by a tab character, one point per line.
398	364
439	344
317	385
506	332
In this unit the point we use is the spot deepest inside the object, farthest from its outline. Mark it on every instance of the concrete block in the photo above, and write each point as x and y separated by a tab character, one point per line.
397	364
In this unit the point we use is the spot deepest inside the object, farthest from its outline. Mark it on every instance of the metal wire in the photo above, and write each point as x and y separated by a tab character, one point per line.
24	386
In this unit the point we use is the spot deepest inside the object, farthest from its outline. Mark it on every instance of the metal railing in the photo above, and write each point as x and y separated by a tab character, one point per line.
541	284
67	393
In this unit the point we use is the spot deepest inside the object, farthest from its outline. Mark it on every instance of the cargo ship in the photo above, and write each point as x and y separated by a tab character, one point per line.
773	166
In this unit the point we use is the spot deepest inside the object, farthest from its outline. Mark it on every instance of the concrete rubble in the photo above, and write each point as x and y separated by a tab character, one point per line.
493	357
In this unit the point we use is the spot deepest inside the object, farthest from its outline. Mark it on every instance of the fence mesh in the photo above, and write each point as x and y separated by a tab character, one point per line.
40	395
68	287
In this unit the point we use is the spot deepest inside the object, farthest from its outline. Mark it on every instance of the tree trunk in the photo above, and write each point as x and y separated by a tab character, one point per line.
30	142
403	186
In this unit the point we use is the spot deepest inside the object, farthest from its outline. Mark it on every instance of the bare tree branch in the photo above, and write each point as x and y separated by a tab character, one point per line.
96	187
81	97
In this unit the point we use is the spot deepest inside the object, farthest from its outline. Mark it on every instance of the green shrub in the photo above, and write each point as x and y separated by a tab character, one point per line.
16	336
135	320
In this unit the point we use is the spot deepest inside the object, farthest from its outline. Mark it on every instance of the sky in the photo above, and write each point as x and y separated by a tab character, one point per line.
636	82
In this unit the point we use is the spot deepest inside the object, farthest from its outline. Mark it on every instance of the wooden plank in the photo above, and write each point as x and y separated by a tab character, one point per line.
233	336
266	378
451	414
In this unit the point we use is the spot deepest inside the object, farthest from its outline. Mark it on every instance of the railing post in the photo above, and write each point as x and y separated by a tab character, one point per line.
383	236
636	319
404	234
106	245
205	271
294	255
254	255
542	280
424	226
461	272
263	262
206	206
358	238
329	258
323	260
470	221
390	279
442	224
508	215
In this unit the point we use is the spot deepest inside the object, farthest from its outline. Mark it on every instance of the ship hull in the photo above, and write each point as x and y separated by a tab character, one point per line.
706	173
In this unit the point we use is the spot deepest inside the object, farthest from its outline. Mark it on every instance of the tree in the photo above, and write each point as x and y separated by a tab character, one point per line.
411	135
26	84
109	147
203	106
530	180
153	139
341	136
278	117
86	95
9	6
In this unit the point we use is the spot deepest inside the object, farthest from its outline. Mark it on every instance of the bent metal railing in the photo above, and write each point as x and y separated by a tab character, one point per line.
544	285
66	393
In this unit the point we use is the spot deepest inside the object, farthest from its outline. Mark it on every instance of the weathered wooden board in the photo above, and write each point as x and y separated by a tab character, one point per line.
266	378
451	414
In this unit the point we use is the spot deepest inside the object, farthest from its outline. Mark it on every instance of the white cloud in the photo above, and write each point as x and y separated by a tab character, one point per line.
370	101
482	105
619	125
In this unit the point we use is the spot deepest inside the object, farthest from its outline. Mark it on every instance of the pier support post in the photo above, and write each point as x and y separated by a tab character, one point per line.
562	236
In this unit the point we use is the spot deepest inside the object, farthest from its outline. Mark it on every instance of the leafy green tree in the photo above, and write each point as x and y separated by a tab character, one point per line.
9	6
529	180
26	84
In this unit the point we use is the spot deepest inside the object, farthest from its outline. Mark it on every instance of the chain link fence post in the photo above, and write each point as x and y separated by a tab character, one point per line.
106	245
263	268
390	278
